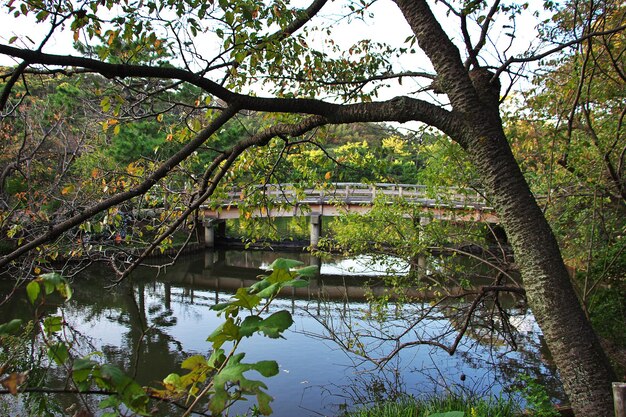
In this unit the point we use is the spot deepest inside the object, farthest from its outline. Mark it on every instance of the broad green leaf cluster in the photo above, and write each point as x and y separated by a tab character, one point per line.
220	378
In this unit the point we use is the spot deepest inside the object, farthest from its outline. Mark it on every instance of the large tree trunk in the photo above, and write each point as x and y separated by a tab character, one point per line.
582	364
584	370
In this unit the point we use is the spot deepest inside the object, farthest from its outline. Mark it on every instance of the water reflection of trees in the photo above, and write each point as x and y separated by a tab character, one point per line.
474	309
433	313
142	320
477	313
483	366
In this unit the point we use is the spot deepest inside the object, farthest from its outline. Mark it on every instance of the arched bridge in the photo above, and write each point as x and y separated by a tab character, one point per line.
335	199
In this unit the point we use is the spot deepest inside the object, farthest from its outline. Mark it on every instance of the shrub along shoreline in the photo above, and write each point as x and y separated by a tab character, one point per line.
452	405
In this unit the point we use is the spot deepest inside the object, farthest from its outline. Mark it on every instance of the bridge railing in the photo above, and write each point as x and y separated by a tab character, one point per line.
359	193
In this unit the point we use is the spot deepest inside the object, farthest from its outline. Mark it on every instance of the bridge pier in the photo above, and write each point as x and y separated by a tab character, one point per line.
213	228
421	259
209	259
316	229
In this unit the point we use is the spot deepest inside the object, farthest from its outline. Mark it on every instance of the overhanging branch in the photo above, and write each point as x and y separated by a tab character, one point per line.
400	109
56	230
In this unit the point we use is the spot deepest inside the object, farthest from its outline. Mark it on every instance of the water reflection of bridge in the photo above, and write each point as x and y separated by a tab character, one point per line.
214	271
285	200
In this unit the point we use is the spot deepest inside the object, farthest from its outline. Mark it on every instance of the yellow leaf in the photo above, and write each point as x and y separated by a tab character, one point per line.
12	381
68	189
328	175
76	35
94	173
159	117
37	270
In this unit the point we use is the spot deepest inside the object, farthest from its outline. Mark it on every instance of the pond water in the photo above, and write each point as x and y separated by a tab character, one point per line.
150	326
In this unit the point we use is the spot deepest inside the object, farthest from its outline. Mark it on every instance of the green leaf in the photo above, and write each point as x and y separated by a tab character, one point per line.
448	414
270	291
193	362
220	306
173	382
271	327
105	104
217	358
52	324
11	327
82	369
275	324
280	275
286	264
64	290
264	400
308	271
33	290
53	278
297	283
250	325
227	331
266	368
58	353
246	300
131	393
259	286
233	374
111	401
50	281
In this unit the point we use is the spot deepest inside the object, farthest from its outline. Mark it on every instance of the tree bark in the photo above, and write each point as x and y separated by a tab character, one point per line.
584	369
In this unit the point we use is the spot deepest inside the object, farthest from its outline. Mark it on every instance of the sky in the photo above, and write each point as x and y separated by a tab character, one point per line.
388	26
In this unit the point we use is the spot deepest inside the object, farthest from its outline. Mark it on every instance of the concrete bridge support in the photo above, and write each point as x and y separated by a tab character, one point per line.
209	259
316	229
421	259
213	228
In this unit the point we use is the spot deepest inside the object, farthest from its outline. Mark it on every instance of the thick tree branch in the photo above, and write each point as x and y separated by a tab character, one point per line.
381	77
452	77
6	91
58	229
484	30
302	18
401	109
222	164
99	392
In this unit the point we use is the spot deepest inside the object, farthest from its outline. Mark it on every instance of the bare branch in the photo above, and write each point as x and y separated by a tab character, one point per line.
556	49
144	186
484	30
